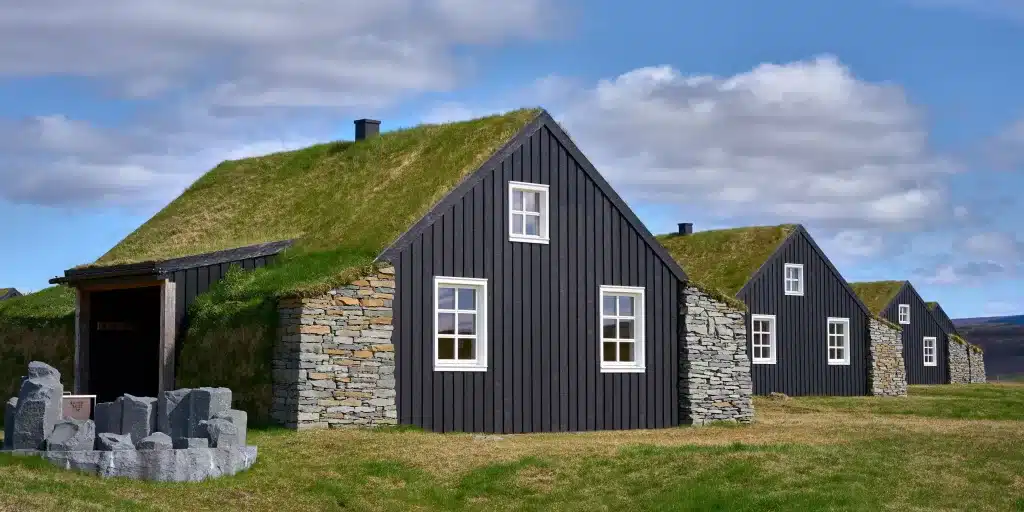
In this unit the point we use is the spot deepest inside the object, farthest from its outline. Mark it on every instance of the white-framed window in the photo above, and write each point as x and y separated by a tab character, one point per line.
528	213
838	341
622	329
762	338
794	278
903	312
460	324
929	351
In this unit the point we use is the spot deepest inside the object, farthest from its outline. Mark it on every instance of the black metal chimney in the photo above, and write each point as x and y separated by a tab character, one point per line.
685	228
367	128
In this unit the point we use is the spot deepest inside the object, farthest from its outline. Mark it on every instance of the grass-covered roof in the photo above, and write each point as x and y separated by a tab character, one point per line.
931	305
876	294
724	260
358	196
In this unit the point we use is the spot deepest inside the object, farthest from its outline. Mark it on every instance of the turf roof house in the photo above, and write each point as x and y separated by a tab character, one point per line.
472	276
925	342
9	293
808	332
958	349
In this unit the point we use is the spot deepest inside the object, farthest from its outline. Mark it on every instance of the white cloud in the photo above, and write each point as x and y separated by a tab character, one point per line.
944	274
805	141
852	244
1002	308
997	245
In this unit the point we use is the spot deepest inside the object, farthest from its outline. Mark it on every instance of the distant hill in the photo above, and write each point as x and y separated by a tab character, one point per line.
1002	338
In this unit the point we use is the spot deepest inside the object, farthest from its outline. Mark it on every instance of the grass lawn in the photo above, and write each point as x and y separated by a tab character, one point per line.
928	453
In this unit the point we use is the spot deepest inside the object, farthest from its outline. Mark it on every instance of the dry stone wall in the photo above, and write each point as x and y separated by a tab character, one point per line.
976	363
714	377
334	364
886	372
959	362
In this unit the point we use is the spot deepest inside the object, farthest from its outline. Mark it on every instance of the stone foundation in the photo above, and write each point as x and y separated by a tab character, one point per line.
959	363
886	373
976	363
334	364
714	378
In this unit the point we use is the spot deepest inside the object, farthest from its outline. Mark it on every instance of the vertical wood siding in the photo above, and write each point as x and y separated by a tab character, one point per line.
543	371
944	322
921	324
801	324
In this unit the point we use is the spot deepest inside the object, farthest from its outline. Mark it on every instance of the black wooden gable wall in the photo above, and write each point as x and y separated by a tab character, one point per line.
943	319
801	324
922	324
542	309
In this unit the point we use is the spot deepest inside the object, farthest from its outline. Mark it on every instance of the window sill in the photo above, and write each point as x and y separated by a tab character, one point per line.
623	369
839	363
762	362
904	323
529	239
446	368
795	294
931	365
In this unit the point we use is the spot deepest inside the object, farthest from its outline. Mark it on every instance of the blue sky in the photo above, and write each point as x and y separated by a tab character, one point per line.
894	130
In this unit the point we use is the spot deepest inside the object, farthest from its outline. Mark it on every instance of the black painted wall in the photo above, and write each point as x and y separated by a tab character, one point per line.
944	322
543	370
801	366
922	324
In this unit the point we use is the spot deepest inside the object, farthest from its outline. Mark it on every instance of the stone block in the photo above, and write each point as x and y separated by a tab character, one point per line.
173	412
237	418
39	369
187	465
205	404
138	416
221	433
155	441
72	435
191	442
107	416
108	441
11	406
37	412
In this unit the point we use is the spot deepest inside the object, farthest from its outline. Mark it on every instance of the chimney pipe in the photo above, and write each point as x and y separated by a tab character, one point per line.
367	128
685	228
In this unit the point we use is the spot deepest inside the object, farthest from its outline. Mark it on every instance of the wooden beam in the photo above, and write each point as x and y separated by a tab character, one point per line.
168	334
83	318
119	283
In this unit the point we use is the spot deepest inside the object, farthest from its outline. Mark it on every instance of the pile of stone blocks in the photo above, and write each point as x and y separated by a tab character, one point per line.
185	435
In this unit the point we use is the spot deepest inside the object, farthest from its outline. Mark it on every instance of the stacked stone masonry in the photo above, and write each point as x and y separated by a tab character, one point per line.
334	364
959	362
977	366
886	373
715	382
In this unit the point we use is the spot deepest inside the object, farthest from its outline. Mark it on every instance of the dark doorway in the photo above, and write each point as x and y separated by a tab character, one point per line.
124	343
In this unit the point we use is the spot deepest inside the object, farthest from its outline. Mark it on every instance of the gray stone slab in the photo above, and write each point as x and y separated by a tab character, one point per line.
38	410
39	369
221	433
11	406
237	418
191	442
107	416
205	404
138	416
155	441
173	412
185	465
72	435
108	441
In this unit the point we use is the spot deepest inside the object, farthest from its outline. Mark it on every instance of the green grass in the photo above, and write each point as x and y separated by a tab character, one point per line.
876	294
723	260
801	454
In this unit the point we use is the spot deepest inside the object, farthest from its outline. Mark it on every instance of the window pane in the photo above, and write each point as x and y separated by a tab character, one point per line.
839	328
517	223
467	323
466	347
531	201
533	225
609	351
517	200
446	348
766	351
625	305
626	352
445	298
831	328
446	323
609	328
609	305
626	330
467	298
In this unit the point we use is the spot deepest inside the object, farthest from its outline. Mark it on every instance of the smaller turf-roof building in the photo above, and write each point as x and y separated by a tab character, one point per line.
808	333
9	293
958	349
925	342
